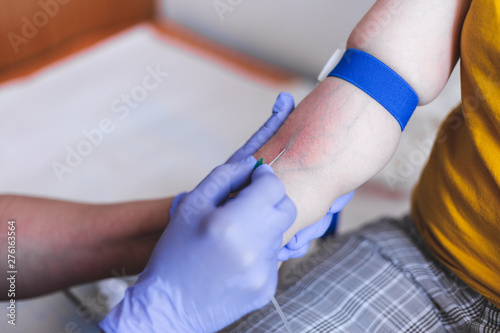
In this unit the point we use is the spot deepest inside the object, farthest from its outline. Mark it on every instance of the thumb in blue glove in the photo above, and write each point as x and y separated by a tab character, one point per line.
299	244
213	264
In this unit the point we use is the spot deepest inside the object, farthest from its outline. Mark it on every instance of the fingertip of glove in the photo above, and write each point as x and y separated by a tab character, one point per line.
284	103
341	202
285	96
283	254
293	243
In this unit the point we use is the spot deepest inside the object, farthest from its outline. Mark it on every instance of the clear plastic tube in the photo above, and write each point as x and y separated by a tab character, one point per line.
282	315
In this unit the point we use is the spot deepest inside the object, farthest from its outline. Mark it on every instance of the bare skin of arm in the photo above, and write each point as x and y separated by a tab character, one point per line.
60	243
339	137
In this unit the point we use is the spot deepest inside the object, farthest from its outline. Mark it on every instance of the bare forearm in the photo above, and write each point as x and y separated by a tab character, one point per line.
335	140
339	137
61	243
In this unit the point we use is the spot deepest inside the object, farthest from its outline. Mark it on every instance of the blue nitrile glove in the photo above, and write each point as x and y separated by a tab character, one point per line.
299	244
212	265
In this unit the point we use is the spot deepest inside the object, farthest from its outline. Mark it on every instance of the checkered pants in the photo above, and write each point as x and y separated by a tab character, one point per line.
379	279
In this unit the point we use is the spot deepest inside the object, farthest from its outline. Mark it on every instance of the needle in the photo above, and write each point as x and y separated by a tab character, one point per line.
278	156
259	162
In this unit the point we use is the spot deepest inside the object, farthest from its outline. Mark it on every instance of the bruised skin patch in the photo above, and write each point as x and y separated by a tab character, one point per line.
308	139
312	135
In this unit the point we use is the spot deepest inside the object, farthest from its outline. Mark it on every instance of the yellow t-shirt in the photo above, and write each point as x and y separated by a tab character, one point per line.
456	204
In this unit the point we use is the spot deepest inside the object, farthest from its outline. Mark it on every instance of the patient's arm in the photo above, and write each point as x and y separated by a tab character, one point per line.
339	137
60	243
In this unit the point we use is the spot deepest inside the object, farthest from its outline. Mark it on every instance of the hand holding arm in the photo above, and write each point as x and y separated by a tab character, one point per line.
214	263
300	242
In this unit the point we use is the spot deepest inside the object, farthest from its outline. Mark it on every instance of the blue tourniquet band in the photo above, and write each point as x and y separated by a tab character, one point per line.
380	82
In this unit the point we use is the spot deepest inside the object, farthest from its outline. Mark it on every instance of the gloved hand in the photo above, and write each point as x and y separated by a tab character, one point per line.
213	264
300	243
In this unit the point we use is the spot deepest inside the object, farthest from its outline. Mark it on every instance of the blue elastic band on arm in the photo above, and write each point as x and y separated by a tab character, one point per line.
380	82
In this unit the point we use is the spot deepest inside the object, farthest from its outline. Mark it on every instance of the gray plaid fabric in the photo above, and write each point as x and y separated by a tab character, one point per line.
379	279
